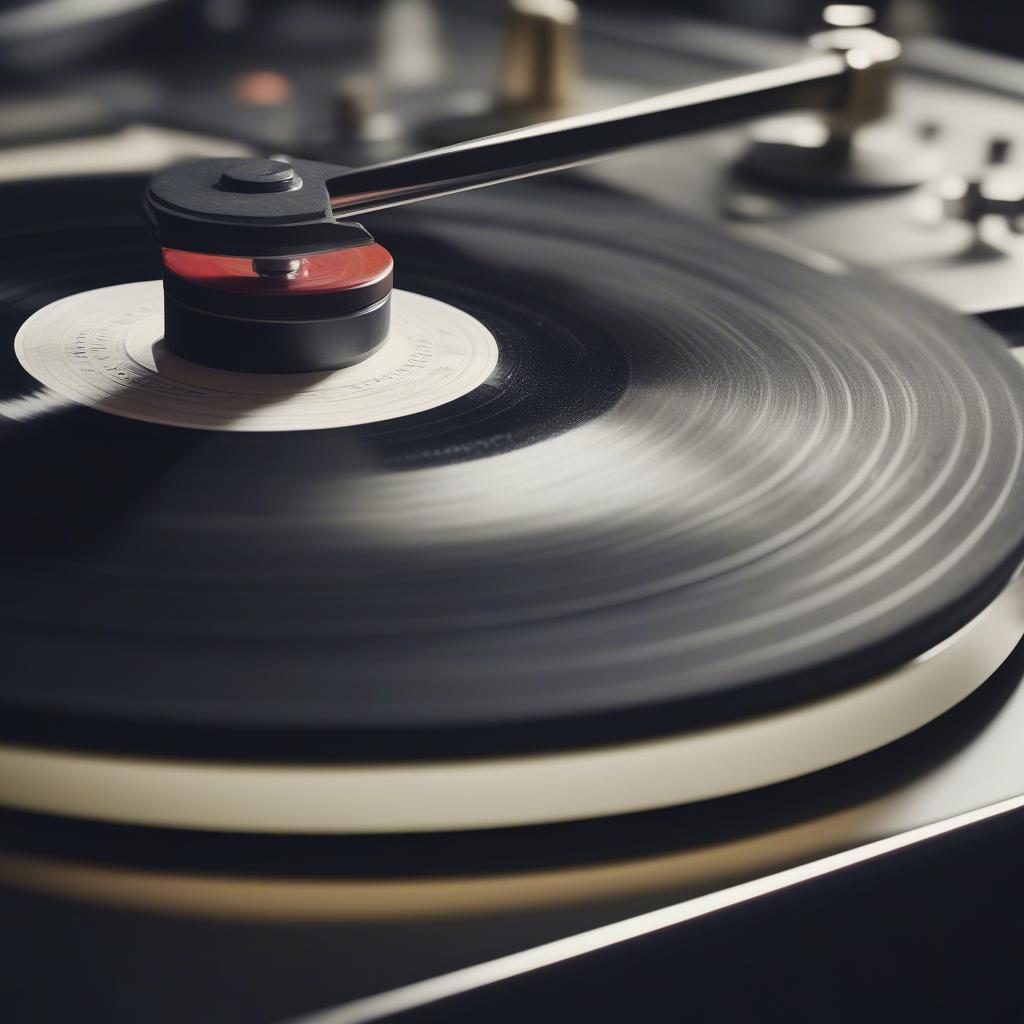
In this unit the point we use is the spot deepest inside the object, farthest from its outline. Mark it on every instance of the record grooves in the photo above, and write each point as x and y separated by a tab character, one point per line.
703	483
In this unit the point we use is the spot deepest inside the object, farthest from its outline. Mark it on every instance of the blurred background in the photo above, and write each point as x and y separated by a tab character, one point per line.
133	83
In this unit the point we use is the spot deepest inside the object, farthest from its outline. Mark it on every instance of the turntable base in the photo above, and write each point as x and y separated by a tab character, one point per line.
515	791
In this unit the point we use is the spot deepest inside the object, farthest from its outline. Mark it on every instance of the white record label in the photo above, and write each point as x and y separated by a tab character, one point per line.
103	349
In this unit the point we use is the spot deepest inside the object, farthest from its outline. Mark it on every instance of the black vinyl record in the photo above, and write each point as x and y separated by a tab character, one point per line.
702	482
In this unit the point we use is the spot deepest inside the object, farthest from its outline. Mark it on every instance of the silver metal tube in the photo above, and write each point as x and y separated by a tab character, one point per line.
818	83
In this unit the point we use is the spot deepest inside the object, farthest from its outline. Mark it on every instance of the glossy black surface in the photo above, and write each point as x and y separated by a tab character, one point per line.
926	933
703	481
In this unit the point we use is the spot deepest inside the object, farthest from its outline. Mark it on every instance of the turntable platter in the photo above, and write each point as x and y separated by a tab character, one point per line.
697	482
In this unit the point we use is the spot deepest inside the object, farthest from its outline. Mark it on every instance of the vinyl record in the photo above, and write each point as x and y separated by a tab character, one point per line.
698	482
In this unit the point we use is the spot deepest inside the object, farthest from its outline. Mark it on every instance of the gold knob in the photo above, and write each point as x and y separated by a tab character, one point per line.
540	64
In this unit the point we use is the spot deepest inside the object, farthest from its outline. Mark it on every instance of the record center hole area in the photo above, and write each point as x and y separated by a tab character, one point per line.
103	349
